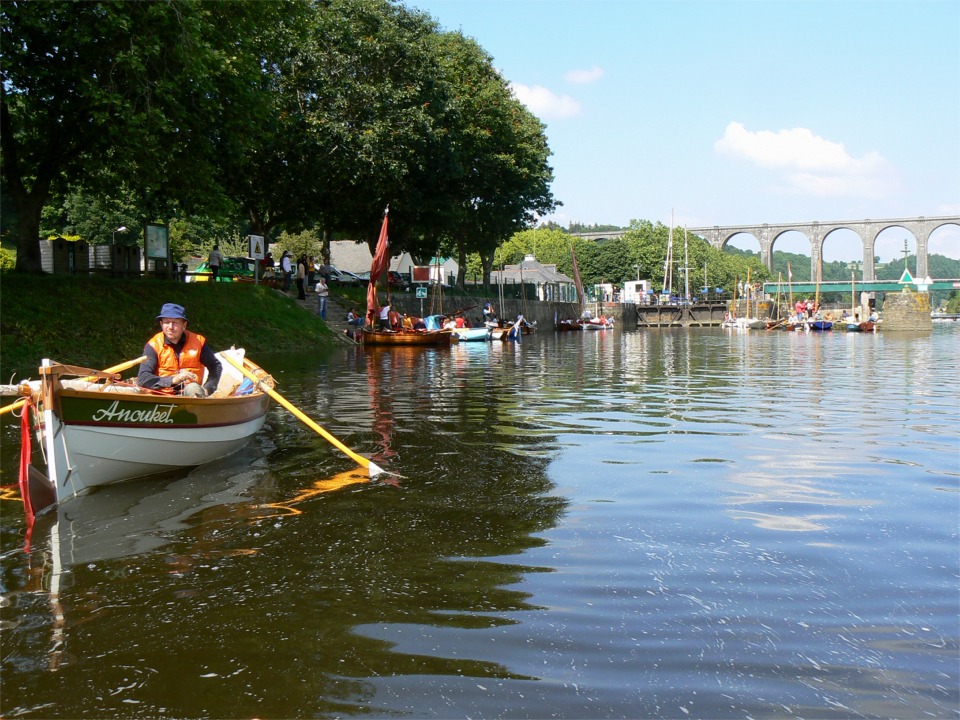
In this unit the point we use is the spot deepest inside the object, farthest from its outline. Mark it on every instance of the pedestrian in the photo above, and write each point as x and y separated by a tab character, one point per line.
311	271
287	269
322	293
301	277
214	261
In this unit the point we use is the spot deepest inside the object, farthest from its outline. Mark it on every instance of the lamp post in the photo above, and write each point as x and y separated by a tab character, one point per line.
122	228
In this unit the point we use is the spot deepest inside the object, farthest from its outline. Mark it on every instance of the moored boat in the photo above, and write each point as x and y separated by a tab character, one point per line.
596	324
477	334
407	338
97	433
567	326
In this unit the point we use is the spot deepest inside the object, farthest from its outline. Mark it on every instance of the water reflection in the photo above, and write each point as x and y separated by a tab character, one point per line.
257	566
617	524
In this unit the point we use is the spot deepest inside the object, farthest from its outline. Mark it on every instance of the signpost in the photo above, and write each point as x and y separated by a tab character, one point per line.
257	252
421	294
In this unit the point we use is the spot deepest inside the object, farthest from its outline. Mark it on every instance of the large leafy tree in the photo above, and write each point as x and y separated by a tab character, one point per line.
501	176
105	93
345	109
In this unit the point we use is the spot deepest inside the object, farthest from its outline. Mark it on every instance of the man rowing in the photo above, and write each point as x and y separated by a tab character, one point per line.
177	357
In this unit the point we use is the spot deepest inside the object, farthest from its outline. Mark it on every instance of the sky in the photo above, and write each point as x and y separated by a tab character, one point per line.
734	113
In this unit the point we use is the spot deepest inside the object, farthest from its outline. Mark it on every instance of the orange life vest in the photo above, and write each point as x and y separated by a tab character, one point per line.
167	363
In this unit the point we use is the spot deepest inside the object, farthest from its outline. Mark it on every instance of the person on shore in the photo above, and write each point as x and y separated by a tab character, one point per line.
354	319
176	358
287	269
323	292
301	277
214	261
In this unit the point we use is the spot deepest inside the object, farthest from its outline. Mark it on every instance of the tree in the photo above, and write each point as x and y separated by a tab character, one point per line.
500	175
104	93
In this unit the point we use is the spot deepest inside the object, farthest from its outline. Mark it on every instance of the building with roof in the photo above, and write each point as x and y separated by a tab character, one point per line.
552	285
356	258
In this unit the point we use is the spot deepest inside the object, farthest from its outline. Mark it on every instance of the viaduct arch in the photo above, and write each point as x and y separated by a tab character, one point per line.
816	232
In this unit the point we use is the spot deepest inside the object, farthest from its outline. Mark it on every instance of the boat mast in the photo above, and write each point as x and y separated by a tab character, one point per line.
668	263
790	286
853	293
746	292
686	266
779	292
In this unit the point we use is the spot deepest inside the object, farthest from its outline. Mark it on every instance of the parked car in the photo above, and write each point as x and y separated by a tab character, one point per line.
397	281
233	269
343	277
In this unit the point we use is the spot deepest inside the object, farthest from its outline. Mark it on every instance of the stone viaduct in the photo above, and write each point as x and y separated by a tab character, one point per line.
817	233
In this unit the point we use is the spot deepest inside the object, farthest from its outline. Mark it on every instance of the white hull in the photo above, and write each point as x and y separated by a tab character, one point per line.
102	456
94	434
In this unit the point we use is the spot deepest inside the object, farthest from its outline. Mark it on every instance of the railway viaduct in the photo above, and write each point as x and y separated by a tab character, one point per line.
816	233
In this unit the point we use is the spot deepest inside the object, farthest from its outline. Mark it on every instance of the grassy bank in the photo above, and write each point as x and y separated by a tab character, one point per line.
97	322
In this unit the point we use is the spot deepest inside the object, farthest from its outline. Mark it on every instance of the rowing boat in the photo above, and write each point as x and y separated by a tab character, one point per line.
97	431
477	334
594	324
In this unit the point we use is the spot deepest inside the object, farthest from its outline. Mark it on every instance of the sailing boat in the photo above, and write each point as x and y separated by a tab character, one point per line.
373	336
749	323
778	321
817	322
668	264
854	324
572	324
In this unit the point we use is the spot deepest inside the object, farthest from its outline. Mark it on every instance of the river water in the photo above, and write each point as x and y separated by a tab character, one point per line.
662	524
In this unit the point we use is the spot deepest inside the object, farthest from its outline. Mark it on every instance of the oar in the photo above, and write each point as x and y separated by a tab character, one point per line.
371	467
115	369
119	368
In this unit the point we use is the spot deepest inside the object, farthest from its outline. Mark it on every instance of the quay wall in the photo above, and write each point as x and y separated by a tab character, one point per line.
902	312
907	312
533	310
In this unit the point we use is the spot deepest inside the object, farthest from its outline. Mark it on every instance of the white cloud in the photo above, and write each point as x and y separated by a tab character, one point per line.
585	77
812	165
544	103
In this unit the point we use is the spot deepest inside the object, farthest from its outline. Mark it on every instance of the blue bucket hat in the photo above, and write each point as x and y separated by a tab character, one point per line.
172	310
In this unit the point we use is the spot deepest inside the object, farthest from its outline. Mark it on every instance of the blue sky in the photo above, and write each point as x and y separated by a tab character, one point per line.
737	112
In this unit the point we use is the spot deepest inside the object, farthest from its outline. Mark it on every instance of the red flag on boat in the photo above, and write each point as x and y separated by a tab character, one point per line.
381	259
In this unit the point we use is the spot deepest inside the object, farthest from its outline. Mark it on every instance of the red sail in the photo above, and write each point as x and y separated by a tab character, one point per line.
381	259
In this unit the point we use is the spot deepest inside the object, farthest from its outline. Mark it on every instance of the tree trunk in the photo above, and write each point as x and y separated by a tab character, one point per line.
487	262
461	264
28	232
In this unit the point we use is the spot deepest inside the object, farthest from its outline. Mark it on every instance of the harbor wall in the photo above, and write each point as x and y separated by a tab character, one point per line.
907	311
533	310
